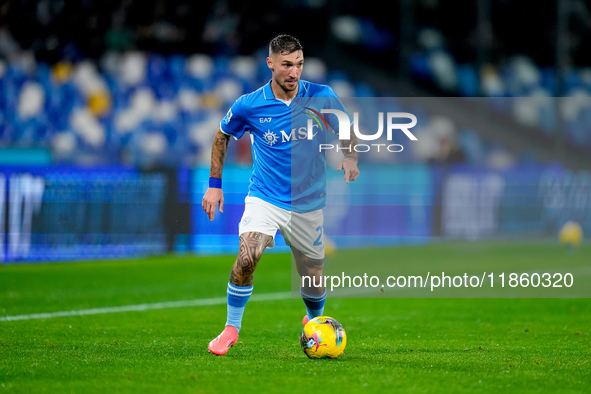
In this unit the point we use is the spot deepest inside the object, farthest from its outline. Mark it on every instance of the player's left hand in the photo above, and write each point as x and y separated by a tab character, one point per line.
351	170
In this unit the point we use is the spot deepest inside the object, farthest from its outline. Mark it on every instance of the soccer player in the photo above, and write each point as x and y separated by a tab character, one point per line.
286	192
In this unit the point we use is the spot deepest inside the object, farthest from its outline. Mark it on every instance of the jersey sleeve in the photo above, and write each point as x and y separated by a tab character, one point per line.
334	102
234	123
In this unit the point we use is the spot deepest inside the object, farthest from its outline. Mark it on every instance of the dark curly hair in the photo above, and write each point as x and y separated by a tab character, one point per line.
284	44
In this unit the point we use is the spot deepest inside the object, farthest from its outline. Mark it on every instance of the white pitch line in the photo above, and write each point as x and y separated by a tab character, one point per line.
144	307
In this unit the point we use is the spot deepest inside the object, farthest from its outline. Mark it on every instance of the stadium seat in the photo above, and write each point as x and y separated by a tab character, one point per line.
468	80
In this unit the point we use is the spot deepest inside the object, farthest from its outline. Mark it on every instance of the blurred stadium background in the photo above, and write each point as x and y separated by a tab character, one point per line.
108	110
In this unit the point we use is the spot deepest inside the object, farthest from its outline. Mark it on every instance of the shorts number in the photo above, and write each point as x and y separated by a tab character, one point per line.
318	241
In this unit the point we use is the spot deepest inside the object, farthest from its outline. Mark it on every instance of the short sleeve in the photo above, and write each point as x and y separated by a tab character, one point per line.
234	123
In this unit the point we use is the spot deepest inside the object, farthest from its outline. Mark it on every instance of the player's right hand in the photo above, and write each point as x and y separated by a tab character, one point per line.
211	199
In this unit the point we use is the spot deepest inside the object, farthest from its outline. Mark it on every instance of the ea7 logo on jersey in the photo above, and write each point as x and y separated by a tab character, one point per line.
265	120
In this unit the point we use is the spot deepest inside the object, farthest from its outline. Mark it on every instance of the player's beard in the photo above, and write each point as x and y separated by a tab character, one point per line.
289	88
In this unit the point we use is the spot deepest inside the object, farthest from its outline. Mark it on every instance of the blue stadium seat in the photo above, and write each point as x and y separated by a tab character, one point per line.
364	90
468	80
336	75
419	65
222	67
472	146
175	70
548	80
548	118
157	66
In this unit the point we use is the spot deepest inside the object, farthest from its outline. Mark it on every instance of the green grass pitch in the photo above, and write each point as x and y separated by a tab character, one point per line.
412	345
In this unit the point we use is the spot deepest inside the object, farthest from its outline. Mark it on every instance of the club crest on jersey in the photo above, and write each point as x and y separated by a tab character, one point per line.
270	137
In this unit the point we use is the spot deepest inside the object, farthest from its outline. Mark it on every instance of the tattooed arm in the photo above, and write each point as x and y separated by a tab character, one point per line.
215	196
349	164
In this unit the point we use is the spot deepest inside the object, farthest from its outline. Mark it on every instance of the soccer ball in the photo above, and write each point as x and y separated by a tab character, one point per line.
571	234
323	337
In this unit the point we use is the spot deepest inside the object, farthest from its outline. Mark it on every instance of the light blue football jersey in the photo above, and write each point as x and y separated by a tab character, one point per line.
288	168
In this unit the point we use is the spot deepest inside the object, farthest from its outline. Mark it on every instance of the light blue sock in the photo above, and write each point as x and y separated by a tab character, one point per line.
314	303
237	298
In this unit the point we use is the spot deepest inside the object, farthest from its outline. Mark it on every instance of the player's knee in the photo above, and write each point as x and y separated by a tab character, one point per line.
309	266
313	263
251	249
